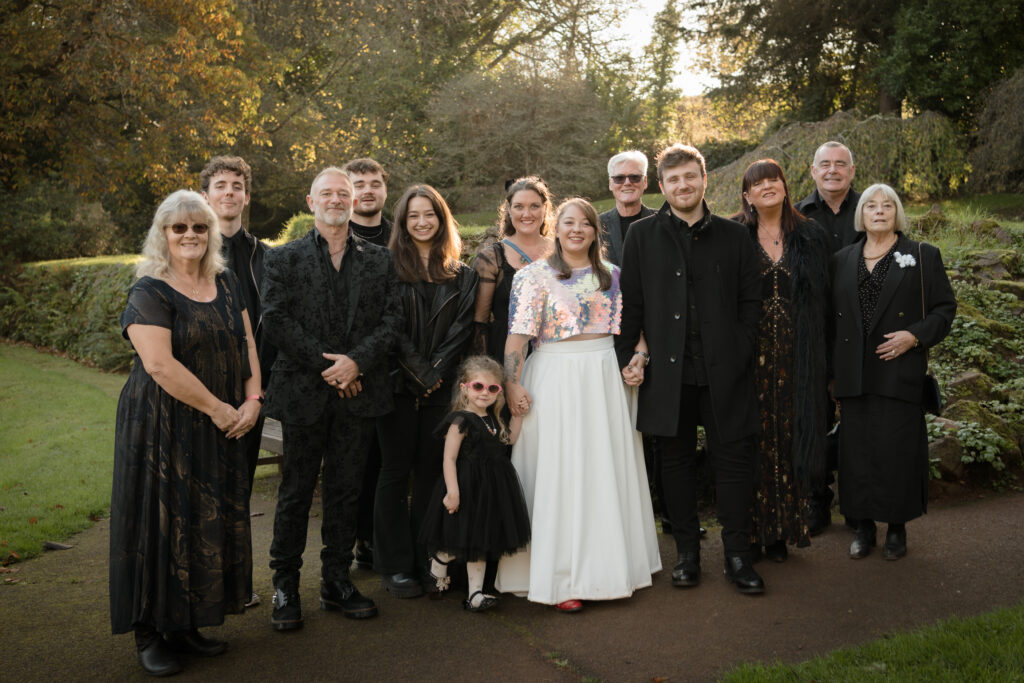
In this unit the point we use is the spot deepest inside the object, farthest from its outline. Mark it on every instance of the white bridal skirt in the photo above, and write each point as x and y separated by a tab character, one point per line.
581	463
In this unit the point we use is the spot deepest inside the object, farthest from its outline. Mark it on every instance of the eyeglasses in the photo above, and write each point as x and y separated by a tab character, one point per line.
480	386
634	178
182	228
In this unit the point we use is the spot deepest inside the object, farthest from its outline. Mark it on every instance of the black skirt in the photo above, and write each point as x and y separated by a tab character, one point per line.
492	519
883	459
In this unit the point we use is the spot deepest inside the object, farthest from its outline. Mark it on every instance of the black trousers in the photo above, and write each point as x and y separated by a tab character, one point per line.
364	525
407	446
338	442
733	465
251	447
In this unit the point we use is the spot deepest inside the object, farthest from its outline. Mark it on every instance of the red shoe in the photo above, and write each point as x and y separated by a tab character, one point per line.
569	606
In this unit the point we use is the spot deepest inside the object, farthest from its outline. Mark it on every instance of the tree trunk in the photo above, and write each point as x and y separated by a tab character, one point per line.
887	104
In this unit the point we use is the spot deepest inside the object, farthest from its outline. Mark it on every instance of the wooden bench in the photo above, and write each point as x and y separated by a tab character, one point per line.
272	443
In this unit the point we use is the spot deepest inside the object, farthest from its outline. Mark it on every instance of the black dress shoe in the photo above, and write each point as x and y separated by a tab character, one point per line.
686	573
157	659
819	517
402	585
777	552
364	555
895	542
863	540
703	532
287	614
741	572
194	643
343	595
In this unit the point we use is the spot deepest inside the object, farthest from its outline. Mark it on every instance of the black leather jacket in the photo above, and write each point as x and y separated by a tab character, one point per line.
435	337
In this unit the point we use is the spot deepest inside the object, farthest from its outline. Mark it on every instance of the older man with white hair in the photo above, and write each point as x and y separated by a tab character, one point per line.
833	202
627	179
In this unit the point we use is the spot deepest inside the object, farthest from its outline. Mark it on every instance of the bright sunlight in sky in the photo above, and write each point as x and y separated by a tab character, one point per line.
637	26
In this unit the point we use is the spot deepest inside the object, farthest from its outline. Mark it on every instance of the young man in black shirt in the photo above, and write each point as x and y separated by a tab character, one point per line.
370	183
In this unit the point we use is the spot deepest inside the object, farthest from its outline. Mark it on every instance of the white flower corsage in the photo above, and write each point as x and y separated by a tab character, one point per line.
905	260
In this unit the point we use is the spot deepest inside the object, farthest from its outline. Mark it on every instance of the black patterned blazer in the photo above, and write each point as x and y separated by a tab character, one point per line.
296	299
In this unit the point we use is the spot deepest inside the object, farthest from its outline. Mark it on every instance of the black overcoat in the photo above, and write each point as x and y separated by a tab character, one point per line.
297	299
728	299
858	369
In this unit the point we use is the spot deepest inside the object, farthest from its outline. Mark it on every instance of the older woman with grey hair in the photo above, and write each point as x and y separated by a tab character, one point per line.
891	301
180	549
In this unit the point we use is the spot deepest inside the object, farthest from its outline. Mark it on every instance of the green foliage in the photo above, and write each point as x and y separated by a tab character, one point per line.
987	334
997	157
918	156
942	56
73	308
58	436
297	226
981	445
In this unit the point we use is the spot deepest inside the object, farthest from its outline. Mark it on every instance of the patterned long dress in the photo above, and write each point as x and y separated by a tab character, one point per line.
778	505
180	547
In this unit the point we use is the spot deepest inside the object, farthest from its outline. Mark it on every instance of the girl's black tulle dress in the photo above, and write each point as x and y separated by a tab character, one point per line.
492	519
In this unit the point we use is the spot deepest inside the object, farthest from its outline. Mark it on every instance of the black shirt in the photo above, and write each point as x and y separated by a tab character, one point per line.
339	282
377	234
839	226
237	251
695	371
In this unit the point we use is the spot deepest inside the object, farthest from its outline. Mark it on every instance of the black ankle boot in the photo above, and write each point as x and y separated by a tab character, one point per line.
895	542
863	539
155	657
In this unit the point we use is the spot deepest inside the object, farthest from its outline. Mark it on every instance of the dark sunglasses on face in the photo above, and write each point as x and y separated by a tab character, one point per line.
480	386
634	178
182	228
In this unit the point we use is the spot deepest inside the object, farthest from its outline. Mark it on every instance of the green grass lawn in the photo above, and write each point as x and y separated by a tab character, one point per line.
56	447
985	648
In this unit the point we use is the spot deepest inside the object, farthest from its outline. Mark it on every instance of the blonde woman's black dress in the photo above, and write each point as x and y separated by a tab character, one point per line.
180	549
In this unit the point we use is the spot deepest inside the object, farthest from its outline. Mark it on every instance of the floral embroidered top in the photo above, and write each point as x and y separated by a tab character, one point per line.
550	310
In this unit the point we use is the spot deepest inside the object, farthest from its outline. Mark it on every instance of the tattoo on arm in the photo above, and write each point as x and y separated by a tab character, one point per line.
513	363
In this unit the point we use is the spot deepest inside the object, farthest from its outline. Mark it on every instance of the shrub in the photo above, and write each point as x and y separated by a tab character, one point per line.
297	226
998	155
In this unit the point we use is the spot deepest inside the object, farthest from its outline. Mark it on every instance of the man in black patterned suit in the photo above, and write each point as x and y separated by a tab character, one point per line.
331	309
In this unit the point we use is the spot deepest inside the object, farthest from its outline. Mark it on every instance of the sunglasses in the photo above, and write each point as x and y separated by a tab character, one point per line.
182	228
634	178
480	386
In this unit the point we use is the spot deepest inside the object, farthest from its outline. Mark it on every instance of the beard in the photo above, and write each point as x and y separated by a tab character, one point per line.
336	220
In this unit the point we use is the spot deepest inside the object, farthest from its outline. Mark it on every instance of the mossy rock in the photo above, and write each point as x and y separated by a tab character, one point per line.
1014	287
949	452
992	264
933	222
991	228
973	385
992	327
972	411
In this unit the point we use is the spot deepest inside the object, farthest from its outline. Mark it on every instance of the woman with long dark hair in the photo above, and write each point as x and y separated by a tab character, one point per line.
790	365
525	227
437	292
578	455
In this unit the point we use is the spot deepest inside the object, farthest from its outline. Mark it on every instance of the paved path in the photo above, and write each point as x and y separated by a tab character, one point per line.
964	559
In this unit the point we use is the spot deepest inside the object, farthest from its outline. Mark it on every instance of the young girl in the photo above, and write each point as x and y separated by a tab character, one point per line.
477	511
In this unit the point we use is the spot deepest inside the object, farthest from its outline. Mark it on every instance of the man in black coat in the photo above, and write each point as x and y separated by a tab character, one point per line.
226	182
627	179
691	284
331	308
833	205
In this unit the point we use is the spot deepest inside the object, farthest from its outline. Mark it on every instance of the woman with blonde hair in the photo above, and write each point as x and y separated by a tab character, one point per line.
180	549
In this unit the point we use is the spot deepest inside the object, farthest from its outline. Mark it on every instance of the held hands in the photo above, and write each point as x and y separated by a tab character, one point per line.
225	417
633	374
437	385
248	413
352	390
895	345
342	372
451	501
519	399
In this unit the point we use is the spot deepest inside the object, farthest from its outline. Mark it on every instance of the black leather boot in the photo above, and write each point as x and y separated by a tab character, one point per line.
287	614
194	643
741	572
863	539
155	656
686	573
343	595
895	542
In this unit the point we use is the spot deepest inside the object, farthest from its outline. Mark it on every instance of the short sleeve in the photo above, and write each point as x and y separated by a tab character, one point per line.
459	419
526	304
486	264
148	304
